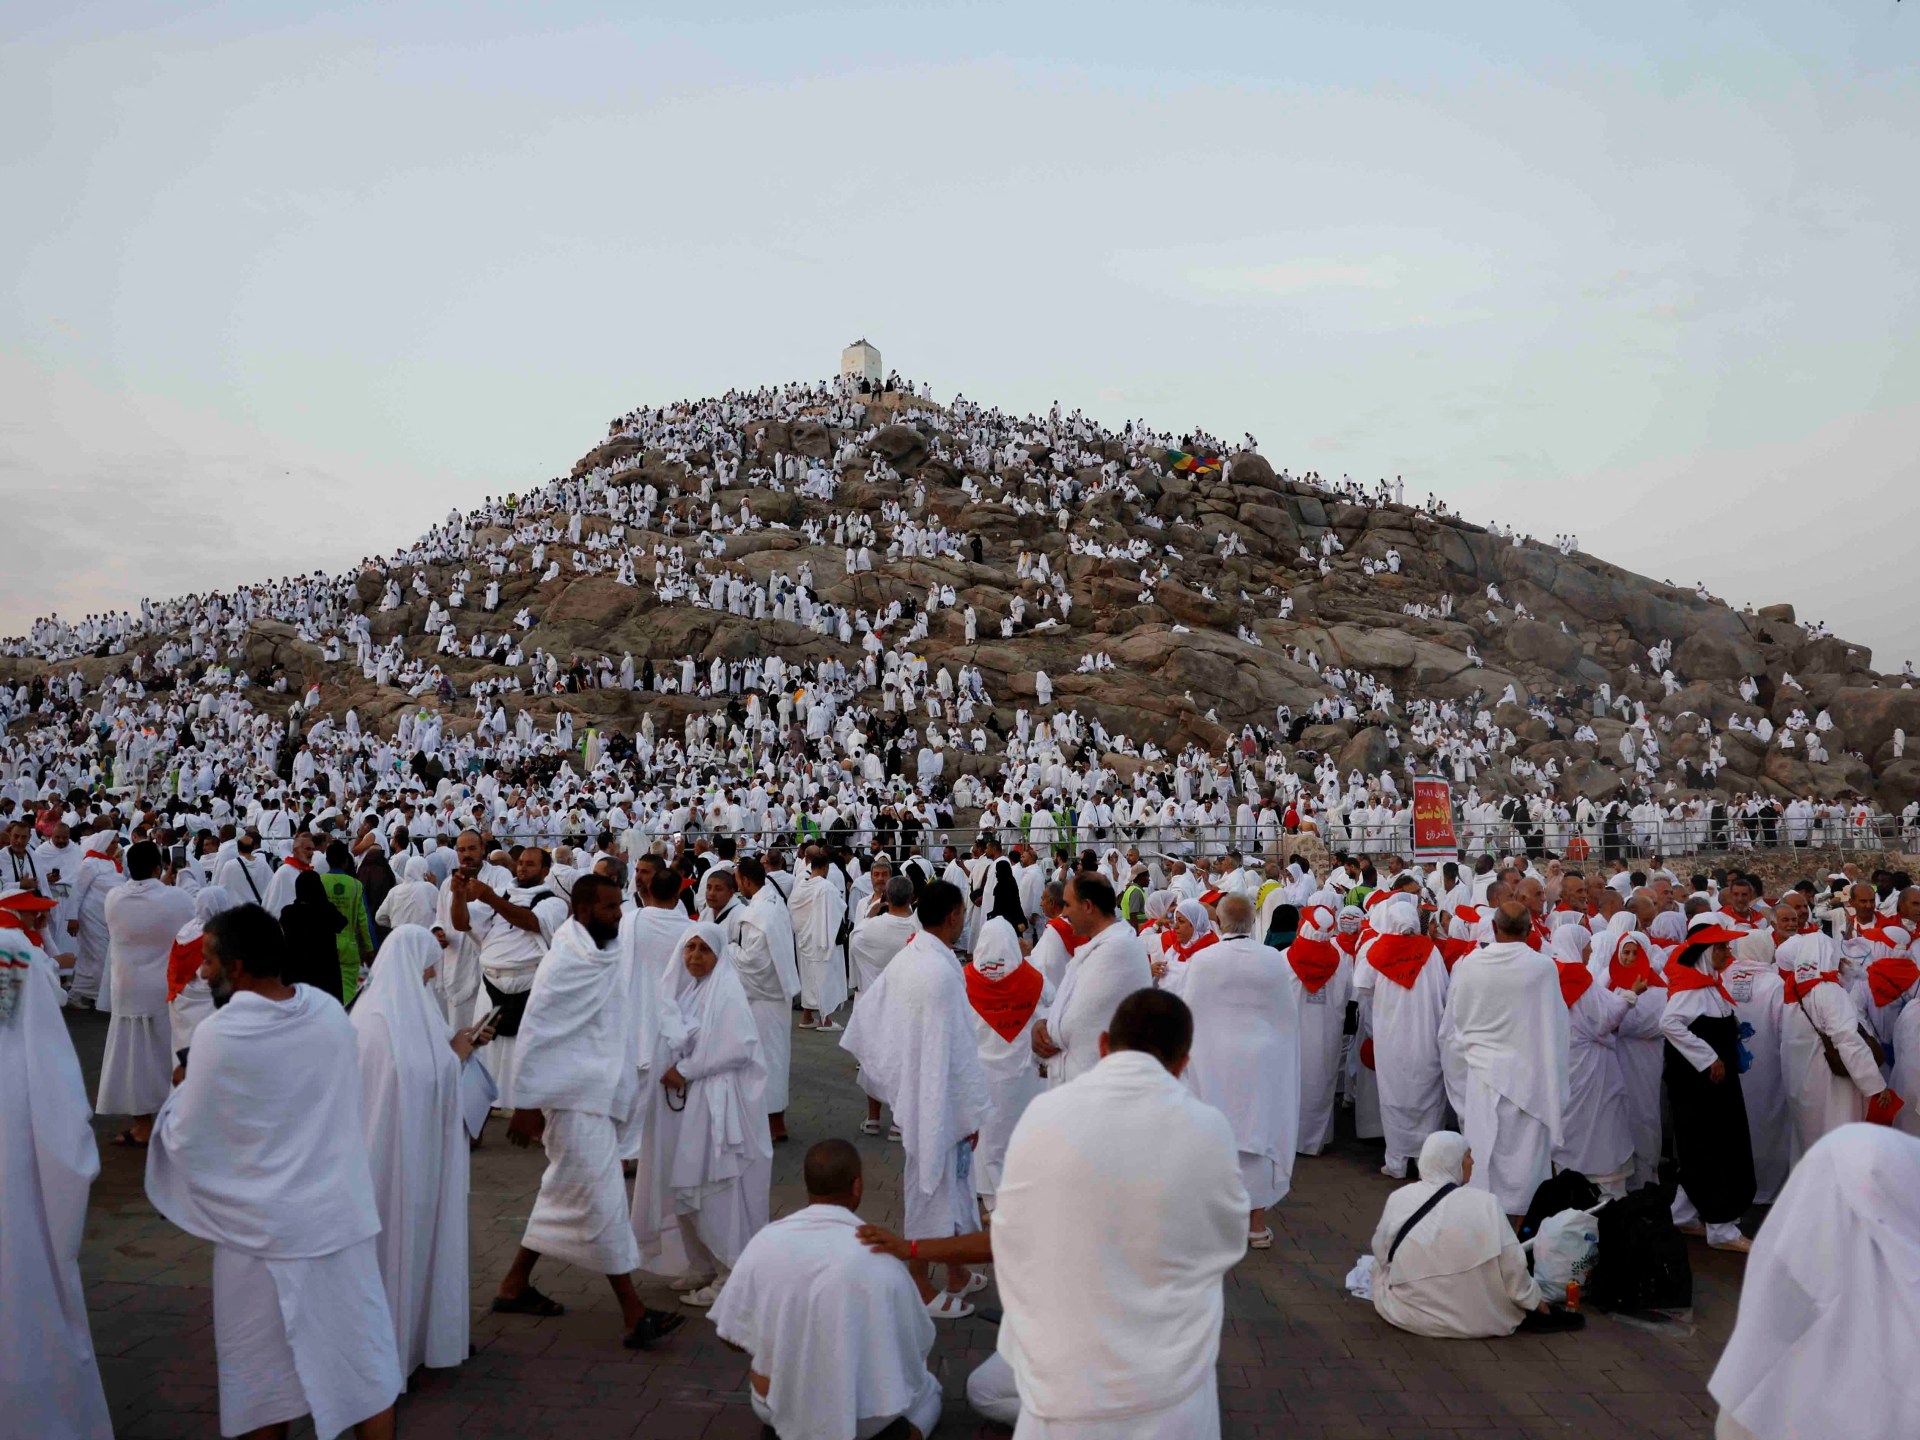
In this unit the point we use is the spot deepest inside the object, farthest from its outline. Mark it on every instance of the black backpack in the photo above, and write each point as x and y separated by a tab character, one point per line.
1563	1190
1643	1261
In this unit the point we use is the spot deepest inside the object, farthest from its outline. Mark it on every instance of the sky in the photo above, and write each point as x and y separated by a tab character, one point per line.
287	283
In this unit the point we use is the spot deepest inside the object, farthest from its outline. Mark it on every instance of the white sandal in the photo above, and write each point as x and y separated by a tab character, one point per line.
949	1305
976	1282
689	1282
1261	1240
869	1127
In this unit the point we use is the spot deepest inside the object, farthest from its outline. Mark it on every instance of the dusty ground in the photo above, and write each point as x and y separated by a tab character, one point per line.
1299	1359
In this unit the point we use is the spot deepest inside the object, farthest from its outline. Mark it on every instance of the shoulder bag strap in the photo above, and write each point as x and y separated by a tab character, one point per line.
1419	1215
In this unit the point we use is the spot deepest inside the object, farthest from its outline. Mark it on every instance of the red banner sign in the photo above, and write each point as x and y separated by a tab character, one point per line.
1433	837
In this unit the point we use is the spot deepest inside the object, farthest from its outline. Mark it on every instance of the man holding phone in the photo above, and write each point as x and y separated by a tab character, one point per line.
459	970
513	930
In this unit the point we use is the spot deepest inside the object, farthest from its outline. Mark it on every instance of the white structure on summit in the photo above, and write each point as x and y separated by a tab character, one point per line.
860	361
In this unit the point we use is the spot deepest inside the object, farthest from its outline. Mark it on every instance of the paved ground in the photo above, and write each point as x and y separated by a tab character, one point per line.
1299	1359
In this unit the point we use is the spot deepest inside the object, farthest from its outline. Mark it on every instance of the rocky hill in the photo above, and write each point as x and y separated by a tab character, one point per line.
1184	673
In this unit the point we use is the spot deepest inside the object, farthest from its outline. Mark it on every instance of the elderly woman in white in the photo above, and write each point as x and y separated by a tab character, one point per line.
706	1166
1192	931
1445	1261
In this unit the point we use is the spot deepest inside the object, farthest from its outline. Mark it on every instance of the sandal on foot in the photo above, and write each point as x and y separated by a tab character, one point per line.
869	1127
893	1134
689	1282
1260	1240
1739	1245
949	1305
976	1282
126	1137
528	1302
654	1326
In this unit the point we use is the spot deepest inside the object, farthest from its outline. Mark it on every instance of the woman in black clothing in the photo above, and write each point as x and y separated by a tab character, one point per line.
311	925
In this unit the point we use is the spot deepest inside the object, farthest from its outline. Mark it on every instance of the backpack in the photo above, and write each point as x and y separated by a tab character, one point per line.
1563	1190
1643	1258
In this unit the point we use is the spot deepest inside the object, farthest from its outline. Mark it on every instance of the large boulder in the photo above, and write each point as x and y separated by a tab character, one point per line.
1274	524
1868	717
1716	655
1249	467
901	446
1368	649
1366	752
1538	643
811	437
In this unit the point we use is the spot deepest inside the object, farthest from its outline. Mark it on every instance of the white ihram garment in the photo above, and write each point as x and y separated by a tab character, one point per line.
262	1150
652	933
707	1166
1246	1057
416	1150
1406	1046
1013	1078
1818	1100
580	1062
136	1073
1830	1301
818	907
1121	1200
765	961
1102	972
1505	1040
1323	1016
913	1036
838	1331
1597	1139
876	940
1753	980
1459	1274
49	1380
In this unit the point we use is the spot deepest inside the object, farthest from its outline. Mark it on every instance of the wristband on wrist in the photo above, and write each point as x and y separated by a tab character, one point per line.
913	1250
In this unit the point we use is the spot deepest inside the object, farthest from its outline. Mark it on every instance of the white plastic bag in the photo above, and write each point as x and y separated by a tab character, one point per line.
1564	1252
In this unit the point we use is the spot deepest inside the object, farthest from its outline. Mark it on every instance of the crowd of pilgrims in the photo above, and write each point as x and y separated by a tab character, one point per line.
308	1040
863	730
328	955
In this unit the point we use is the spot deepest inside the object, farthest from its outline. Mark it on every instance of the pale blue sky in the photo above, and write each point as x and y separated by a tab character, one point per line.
286	283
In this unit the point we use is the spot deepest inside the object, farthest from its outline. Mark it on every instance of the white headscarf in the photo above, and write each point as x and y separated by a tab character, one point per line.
1195	914
1808	956
1831	1299
716	1045
397	991
1443	1158
419	870
1397	917
996	949
1462	1232
1570	944
208	901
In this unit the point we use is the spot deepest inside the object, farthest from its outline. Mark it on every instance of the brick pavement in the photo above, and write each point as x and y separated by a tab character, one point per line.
1299	1359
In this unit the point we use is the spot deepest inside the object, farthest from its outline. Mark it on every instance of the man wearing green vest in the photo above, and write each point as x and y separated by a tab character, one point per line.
1133	899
